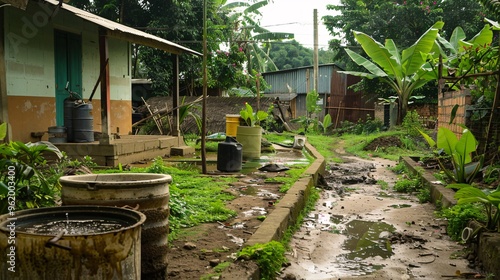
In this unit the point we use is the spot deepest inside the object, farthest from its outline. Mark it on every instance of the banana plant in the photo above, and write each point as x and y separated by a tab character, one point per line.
467	193
459	152
403	71
326	123
245	16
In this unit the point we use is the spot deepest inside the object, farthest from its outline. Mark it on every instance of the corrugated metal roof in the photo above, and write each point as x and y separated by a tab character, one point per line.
123	32
305	67
21	4
282	96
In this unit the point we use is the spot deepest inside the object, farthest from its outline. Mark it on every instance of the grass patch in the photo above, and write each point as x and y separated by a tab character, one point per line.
355	144
194	199
383	185
324	145
292	175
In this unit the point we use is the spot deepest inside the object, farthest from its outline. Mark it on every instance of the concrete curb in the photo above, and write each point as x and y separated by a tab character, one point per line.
439	193
283	216
488	248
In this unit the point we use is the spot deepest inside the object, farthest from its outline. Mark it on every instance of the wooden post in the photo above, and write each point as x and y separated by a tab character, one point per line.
4	113
105	91
175	96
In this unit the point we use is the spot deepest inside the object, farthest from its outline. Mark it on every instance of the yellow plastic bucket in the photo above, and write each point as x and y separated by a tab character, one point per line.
232	123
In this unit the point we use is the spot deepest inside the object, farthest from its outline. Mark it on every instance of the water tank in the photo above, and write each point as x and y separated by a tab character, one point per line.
148	191
83	123
69	104
229	155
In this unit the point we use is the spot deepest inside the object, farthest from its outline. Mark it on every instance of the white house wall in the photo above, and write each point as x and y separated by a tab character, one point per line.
30	72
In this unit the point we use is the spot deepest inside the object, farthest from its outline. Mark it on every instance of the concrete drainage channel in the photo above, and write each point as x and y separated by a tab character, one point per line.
283	216
431	259
488	247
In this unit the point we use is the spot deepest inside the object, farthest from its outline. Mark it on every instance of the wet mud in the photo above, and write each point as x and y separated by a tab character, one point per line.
360	231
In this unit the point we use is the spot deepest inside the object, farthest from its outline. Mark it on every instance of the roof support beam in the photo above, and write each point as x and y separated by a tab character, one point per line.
142	41
105	90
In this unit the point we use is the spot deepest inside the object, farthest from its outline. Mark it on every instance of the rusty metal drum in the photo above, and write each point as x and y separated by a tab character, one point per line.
71	242
148	192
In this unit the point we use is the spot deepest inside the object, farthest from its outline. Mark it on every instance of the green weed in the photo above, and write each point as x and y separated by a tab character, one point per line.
269	257
383	184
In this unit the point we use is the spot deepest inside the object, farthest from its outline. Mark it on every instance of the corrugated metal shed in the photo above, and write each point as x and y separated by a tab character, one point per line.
300	80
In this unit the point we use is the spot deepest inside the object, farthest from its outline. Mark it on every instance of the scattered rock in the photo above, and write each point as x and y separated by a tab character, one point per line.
214	262
189	246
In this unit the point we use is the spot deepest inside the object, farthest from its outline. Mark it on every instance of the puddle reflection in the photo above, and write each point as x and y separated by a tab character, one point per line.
367	239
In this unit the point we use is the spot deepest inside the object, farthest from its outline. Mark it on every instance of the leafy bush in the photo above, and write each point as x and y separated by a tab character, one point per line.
424	195
490	200
27	180
362	127
411	123
459	216
407	185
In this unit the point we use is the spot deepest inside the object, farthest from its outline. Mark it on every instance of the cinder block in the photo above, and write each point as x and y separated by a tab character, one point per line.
182	151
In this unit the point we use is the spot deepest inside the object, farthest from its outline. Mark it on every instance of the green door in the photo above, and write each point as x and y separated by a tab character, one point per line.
68	67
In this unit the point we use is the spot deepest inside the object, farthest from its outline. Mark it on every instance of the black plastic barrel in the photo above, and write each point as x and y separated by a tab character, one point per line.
229	155
69	104
83	123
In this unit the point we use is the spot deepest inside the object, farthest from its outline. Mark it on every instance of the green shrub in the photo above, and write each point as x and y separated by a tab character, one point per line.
411	123
368	126
407	185
459	216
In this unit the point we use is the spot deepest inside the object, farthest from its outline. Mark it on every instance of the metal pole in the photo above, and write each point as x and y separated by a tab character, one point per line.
315	57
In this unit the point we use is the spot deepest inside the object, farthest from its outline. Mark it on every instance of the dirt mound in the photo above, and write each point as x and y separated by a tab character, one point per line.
384	142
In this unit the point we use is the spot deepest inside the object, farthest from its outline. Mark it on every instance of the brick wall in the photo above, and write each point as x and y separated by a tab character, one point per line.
446	102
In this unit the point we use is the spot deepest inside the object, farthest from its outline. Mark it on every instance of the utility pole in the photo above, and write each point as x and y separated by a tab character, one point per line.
204	103
315	57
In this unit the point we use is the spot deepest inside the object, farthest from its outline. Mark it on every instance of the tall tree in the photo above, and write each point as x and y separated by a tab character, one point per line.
291	54
250	36
404	21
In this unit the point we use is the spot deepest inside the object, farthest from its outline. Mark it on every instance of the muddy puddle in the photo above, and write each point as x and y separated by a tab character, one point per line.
281	156
359	231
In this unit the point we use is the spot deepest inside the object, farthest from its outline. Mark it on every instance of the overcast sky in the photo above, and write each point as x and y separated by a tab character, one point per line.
297	16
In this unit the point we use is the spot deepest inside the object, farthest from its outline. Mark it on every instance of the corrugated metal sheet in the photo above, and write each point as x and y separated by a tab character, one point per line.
337	99
126	33
300	80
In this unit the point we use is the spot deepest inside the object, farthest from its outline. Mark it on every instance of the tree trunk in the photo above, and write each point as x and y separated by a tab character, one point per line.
402	108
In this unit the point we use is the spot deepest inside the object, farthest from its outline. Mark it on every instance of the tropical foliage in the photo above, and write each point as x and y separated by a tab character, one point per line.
467	194
24	181
403	21
459	152
403	71
471	62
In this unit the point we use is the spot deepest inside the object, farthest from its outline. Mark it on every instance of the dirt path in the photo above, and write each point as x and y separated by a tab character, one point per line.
359	231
